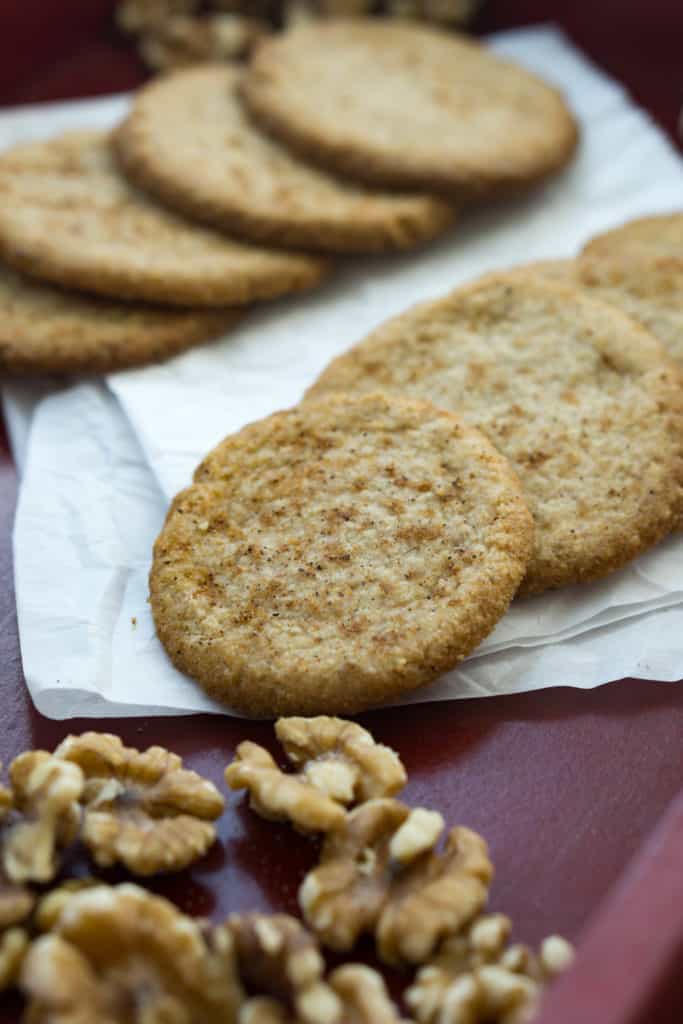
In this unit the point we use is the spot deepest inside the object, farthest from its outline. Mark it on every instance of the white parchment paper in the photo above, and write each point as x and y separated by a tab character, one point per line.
89	510
101	462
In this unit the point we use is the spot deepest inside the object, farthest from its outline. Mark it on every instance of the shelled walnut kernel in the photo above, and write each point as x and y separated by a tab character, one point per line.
411	902
476	978
137	15
340	758
183	41
175	33
13	946
279	959
278	796
364	996
16	906
339	764
141	809
45	816
52	903
445	12
16	903
120	955
276	955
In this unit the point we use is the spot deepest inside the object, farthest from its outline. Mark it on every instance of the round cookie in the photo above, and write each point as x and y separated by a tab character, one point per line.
639	267
331	557
44	330
189	142
408	106
585	404
67	216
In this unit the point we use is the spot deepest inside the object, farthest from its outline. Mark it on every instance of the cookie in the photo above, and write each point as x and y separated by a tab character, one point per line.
408	106
560	271
45	330
67	216
329	558
639	267
190	143
585	404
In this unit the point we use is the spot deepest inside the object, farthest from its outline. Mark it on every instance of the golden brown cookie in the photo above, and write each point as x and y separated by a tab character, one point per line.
639	267
45	330
189	142
584	403
334	556
67	216
408	106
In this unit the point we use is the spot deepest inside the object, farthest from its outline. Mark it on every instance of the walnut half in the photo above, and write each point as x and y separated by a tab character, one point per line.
364	996
16	905
278	796
141	809
120	955
45	816
279	959
180	41
13	946
380	872
477	978
277	956
50	906
16	902
338	764
340	758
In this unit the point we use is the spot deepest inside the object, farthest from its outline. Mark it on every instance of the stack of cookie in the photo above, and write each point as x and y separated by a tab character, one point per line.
338	555
146	283
224	187
521	434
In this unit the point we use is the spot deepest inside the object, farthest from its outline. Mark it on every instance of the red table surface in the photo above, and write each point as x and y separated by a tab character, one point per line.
566	785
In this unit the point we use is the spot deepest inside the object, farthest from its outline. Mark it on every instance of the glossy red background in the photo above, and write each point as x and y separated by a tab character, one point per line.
565	785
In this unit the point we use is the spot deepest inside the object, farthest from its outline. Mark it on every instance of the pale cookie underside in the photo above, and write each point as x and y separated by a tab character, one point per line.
44	330
189	141
406	105
67	216
584	403
330	558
